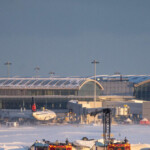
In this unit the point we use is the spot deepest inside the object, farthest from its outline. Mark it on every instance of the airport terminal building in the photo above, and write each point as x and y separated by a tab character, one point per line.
54	93
137	86
51	93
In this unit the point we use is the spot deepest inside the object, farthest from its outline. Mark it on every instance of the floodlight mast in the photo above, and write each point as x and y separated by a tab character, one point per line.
95	62
36	71
8	67
52	73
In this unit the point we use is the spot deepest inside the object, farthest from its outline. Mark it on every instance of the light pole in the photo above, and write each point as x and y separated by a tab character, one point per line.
36	71
95	62
8	67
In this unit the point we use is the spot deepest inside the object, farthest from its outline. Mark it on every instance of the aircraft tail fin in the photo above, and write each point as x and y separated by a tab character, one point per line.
33	105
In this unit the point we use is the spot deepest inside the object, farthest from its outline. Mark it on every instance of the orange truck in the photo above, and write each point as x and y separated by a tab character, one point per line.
60	147
119	146
46	145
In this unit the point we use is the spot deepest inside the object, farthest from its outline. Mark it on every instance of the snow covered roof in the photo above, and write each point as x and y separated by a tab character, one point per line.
131	78
45	83
42	82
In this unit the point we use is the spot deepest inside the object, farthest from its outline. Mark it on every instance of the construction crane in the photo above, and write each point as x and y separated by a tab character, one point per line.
108	142
106	122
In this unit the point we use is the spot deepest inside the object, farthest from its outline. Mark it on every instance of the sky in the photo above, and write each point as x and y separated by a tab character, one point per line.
65	36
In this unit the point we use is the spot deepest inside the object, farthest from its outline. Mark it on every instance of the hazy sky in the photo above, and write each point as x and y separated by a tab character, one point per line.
64	36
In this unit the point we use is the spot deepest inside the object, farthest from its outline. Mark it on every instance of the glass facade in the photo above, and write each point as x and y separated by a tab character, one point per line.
48	103
115	87
143	91
36	92
88	89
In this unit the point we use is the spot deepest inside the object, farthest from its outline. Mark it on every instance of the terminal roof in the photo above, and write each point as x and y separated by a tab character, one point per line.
135	79
42	82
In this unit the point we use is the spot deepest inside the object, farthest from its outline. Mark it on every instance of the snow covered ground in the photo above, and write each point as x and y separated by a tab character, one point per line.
22	137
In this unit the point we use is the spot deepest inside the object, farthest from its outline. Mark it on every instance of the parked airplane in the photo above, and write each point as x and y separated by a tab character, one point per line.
42	115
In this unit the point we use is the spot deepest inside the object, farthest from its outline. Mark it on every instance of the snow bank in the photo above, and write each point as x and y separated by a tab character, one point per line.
140	146
20	138
14	146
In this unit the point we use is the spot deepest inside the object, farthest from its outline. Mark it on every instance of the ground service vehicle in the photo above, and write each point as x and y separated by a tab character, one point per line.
47	145
118	146
60	147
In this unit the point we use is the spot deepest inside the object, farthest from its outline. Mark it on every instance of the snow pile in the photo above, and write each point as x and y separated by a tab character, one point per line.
128	120
73	101
140	146
13	146
145	119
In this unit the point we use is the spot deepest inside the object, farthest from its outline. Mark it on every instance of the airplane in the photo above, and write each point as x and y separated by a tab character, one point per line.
42	115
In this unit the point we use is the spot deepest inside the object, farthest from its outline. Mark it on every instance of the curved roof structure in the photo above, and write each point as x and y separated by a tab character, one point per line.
143	82
135	79
89	80
61	83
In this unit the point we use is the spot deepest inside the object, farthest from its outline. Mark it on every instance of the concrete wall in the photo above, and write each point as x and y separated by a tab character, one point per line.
90	104
146	110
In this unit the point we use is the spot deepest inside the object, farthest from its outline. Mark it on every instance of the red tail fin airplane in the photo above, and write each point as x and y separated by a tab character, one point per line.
42	115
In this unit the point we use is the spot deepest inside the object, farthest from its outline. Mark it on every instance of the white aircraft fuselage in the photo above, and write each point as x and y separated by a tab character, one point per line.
44	115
